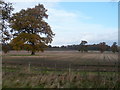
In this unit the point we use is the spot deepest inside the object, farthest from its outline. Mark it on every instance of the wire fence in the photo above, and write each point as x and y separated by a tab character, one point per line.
68	67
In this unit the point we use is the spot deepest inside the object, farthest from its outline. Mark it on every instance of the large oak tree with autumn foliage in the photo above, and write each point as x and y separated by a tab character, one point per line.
30	31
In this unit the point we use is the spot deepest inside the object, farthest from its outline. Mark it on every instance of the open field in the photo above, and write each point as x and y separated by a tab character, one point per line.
64	59
60	69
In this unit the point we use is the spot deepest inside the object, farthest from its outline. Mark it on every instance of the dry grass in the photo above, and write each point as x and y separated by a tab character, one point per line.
62	59
47	79
60	69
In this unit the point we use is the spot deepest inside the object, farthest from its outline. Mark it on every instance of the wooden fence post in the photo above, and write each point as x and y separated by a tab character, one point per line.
29	64
69	73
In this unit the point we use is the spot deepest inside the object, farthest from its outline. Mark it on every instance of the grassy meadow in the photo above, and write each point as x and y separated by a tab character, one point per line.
60	69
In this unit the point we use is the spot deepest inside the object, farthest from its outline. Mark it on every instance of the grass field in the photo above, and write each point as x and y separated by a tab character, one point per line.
60	69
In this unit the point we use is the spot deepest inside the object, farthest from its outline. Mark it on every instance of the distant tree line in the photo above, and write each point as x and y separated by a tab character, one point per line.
82	47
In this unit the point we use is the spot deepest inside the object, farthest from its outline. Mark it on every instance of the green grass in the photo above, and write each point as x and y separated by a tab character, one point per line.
22	78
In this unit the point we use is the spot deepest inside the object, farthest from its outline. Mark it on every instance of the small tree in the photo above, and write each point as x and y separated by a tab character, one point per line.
31	31
102	47
83	47
6	48
114	47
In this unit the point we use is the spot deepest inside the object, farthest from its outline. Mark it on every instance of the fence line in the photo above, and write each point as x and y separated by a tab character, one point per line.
85	67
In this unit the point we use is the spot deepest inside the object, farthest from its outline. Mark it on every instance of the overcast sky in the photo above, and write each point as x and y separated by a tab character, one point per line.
75	21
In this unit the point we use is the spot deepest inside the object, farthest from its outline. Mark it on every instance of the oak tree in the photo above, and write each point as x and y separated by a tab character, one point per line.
102	47
114	47
83	47
30	30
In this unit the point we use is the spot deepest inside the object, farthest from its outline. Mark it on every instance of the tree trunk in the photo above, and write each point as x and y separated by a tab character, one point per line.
33	53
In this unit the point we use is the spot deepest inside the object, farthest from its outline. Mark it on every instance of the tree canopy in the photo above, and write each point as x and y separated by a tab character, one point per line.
114	47
30	30
83	47
102	47
5	10
5	14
